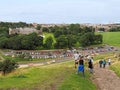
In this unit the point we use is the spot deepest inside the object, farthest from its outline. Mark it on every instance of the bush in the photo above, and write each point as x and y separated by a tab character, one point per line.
8	66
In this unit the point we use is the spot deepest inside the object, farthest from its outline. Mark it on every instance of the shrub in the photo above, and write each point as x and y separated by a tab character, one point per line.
8	66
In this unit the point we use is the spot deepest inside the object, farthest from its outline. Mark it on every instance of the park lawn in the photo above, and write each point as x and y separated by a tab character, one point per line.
48	35
111	38
59	76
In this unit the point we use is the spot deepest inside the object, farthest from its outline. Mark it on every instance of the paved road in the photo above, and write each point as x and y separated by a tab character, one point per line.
45	63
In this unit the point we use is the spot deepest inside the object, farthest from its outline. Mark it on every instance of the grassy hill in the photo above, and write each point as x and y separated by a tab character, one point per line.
111	38
48	77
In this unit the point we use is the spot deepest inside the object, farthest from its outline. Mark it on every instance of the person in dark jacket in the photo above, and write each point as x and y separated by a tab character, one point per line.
104	63
100	63
90	64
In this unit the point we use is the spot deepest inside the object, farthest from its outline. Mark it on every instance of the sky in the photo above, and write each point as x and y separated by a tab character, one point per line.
60	11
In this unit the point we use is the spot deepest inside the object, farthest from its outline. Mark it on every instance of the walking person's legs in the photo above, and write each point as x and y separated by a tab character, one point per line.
103	65
91	70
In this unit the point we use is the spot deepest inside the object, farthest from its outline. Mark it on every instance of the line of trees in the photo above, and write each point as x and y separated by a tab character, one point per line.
74	35
68	36
19	42
115	29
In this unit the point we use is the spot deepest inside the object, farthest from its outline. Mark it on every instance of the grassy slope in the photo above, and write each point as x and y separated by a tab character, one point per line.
116	67
111	38
49	77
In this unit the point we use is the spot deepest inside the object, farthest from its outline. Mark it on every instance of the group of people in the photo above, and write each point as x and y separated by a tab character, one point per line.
103	63
79	62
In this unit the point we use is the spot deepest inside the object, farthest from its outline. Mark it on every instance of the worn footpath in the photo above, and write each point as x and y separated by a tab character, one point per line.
105	79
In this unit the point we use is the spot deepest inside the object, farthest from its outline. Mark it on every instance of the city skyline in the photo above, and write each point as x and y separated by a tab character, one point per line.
60	11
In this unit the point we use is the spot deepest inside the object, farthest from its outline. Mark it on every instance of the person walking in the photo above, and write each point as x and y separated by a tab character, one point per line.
104	63
90	64
100	63
81	65
109	61
76	57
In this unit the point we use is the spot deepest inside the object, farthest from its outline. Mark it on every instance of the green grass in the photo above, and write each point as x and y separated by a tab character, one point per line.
48	35
111	38
77	82
104	56
116	67
48	77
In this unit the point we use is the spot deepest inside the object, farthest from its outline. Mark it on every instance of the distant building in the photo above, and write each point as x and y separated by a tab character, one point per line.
97	28
24	31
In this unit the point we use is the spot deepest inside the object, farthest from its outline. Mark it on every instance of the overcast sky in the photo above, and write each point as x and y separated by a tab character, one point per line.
60	11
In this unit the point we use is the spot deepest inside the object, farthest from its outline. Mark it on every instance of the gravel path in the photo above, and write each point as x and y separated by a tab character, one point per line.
105	78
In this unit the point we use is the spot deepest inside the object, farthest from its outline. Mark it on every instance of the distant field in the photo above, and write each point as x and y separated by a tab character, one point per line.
111	38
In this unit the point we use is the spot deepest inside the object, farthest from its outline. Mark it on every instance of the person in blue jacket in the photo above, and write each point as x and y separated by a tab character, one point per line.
81	65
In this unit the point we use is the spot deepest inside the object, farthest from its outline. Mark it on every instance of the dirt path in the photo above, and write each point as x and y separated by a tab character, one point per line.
105	78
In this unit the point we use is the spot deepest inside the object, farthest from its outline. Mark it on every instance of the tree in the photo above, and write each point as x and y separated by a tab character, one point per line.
4	31
8	66
102	29
0	66
49	42
71	40
51	29
98	39
45	29
74	28
31	41
27	43
58	33
15	42
61	42
38	27
90	38
3	42
87	39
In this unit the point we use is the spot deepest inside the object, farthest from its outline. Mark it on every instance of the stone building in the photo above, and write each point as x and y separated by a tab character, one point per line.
25	30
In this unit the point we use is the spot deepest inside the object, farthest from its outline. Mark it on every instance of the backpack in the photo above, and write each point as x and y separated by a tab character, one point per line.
104	62
90	62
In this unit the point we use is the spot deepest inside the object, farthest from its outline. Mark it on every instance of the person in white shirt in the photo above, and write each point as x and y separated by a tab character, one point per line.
109	61
76	58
